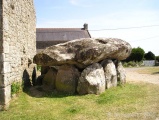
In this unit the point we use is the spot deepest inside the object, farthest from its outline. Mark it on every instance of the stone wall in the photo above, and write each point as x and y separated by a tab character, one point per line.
149	63
17	45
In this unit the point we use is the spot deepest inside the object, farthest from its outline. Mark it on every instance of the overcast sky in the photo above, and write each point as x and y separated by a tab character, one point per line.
106	16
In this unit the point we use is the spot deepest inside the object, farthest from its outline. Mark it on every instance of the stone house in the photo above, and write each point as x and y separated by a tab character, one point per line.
46	37
17	45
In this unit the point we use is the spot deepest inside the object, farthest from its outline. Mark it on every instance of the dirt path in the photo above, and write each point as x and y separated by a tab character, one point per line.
133	76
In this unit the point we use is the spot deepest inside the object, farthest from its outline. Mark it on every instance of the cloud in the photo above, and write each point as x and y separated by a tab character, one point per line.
74	2
81	3
119	19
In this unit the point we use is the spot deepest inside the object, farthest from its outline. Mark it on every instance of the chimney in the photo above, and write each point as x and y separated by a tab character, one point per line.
85	26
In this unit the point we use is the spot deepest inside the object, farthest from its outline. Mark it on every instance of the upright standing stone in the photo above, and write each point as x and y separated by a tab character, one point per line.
92	80
67	79
110	73
17	45
121	74
44	69
50	78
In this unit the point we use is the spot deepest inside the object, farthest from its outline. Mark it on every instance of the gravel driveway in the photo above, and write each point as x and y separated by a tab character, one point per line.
133	76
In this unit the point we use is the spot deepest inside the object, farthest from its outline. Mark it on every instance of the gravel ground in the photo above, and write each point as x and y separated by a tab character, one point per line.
133	76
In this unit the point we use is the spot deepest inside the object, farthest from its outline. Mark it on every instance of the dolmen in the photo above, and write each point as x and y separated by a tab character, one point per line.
84	66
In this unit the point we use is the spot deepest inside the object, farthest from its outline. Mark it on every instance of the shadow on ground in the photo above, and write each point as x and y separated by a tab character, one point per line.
45	91
155	73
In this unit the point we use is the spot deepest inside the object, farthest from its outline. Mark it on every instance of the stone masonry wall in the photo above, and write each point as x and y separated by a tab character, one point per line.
17	44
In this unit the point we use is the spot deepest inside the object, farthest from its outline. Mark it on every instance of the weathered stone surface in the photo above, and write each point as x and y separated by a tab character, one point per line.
92	80
121	74
110	73
39	79
67	79
4	107
17	43
5	97
44	69
83	52
50	78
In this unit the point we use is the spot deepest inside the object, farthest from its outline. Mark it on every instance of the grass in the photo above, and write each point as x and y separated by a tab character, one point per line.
132	101
15	88
149	70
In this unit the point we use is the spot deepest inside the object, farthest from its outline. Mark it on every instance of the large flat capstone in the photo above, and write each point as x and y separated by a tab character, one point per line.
83	52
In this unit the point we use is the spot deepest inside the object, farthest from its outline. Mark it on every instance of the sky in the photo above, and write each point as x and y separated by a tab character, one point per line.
135	21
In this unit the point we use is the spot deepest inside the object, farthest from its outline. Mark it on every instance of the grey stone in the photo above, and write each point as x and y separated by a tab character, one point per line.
92	80
50	78
39	79
17	44
5	47
5	97
110	73
67	79
83	52
4	107
121	73
6	68
44	69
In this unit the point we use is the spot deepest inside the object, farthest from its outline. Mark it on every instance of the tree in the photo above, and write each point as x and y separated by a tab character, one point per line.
149	56
157	58
136	55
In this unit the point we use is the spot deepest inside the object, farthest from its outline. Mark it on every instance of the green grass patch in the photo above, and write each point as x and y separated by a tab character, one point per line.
74	109
132	101
39	68
16	87
125	93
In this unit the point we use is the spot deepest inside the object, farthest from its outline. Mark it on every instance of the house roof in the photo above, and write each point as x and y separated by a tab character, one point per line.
61	34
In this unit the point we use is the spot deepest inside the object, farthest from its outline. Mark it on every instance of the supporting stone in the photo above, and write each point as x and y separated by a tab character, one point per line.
44	69
110	73
67	79
92	80
121	73
5	97
50	78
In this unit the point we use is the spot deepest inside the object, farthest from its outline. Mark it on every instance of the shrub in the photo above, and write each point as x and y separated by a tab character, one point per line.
132	64
38	68
136	55
15	87
157	58
149	56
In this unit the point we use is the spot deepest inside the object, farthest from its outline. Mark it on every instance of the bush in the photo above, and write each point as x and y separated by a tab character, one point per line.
15	88
149	56
38	68
136	55
157	58
132	64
